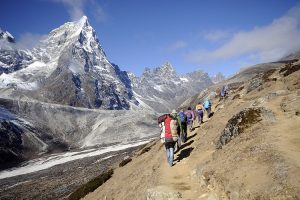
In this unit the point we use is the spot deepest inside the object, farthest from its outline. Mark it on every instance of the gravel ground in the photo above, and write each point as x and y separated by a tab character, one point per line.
59	181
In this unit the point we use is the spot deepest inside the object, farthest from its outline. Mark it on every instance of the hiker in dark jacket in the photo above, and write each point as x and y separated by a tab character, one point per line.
190	117
179	128
223	92
183	120
199	110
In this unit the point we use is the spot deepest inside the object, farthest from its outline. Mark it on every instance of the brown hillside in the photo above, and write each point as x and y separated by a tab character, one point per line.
249	149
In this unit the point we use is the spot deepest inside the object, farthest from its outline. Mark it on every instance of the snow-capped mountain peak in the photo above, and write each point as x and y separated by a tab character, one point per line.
5	35
72	45
167	66
70	29
161	88
165	70
71	54
78	35
83	20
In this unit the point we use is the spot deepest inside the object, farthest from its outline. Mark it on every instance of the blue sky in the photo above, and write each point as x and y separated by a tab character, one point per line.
215	36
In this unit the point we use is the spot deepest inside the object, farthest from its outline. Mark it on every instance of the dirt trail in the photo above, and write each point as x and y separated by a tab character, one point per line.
179	176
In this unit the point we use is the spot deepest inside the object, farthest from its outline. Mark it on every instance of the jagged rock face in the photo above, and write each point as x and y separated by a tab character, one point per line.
162	89
70	67
5	35
11	59
90	80
10	144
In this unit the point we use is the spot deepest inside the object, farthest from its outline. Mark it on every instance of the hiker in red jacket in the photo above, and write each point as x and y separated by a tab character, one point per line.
170	137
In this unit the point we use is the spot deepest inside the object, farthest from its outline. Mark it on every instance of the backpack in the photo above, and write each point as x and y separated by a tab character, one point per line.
207	104
161	118
162	134
182	116
170	129
189	114
174	126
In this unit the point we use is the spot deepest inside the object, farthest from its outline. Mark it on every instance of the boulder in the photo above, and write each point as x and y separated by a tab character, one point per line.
241	121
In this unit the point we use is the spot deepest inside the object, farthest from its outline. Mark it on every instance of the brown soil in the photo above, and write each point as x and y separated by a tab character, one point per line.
262	162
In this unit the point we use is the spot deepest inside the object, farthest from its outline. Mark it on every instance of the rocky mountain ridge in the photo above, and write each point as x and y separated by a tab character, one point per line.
11	58
162	89
70	67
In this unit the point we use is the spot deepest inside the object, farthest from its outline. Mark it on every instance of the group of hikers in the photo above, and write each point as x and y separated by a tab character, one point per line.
174	126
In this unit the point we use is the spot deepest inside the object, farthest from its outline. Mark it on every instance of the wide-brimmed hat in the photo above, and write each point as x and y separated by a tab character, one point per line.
173	114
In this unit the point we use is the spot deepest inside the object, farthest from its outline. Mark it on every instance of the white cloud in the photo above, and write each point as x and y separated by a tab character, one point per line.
25	41
76	9
29	40
268	43
214	36
177	45
98	12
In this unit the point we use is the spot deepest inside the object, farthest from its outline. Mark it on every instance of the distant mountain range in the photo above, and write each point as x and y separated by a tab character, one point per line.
219	77
65	94
162	89
70	67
